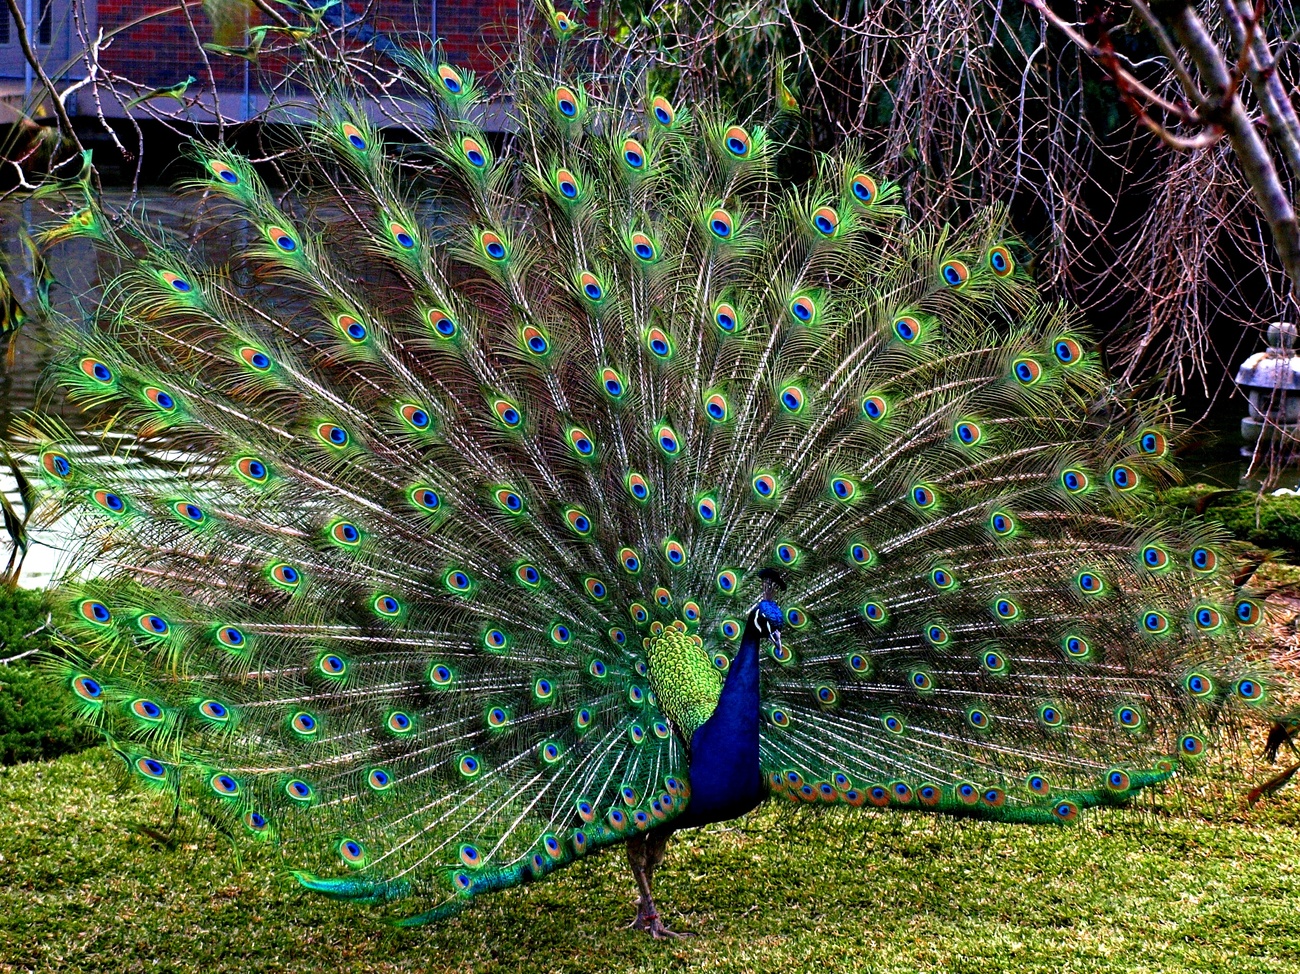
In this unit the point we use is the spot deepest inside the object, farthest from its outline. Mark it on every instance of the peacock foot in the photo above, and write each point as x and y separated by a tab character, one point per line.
648	920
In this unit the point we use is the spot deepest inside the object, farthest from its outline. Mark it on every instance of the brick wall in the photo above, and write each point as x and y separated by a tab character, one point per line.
163	51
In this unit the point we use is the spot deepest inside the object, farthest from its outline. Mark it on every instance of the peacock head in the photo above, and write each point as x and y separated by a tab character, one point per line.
766	616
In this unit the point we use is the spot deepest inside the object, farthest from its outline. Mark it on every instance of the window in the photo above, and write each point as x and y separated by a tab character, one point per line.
5	19
44	30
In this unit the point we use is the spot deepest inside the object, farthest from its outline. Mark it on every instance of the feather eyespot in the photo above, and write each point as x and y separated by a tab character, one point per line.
566	102
1250	690
152	624
345	533
825	221
720	224
352	852
417	417
151	768
1074	481
440	675
223	172
224	785
1002	524
590	285
634	154
639	614
1208	618
1155	557
667	439
726	318
252	469
663	111
860	555
943	579
286	576
638	487
160	398
399	722
332	665
535	340
715	407
458	580
864	189
993	662
1077	648
803	309
563	22
644	248
493	246
937	635
787	554
791	398
658	343
674	553
968	433
304	724
691	612
875	408
441	322
1027	371
255	358
581	443
596	589
191	512
352	329
94	611
528	575
109	501
1124	477
612	384
215	710
843	489
907	328
663	598
176	282
1090	583
333	435
231	637
567	183
508	413
94	369
1153	443
706	509
923	496
874	612
282	239
1247	613
401	235
764	486
87	688
1001	263
474	153
426	498
451	79
730	629
954	273
630	561
727	582
387	605
737	141
56	464
353	136
578	521
1006	609
1067	350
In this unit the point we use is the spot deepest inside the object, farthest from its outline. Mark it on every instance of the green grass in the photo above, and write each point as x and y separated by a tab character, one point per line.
87	888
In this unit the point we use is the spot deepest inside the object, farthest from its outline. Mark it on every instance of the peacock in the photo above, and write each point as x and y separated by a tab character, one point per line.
473	504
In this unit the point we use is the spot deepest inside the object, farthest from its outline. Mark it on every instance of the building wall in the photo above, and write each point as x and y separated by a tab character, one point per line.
163	51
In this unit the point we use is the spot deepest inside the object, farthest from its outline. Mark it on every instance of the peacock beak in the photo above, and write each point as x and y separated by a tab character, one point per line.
776	639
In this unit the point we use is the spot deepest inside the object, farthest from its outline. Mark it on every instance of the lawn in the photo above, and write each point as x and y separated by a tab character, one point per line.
89	886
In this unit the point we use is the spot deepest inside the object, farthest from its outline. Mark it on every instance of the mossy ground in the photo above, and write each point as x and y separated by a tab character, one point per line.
1190	881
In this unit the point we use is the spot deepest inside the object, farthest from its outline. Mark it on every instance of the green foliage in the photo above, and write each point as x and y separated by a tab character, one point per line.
33	722
1266	521
91	885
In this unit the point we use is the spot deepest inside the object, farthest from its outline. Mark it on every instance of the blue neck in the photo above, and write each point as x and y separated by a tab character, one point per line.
725	776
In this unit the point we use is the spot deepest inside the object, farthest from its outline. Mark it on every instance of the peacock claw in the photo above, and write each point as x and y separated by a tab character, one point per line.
649	922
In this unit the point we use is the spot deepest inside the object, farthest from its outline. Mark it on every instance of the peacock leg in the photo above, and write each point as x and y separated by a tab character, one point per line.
644	853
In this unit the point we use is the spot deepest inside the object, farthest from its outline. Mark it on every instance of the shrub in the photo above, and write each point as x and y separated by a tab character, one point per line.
33	726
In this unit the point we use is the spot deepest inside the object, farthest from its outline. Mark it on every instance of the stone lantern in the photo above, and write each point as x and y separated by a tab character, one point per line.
1271	381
